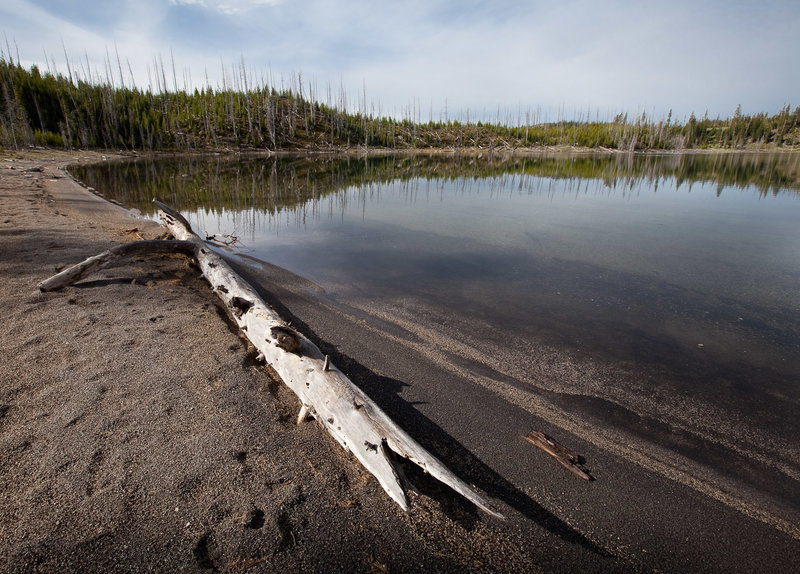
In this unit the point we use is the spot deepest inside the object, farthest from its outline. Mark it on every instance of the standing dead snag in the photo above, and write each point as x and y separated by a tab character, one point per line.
325	393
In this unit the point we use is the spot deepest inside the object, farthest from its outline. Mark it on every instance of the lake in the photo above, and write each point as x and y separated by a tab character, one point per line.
652	294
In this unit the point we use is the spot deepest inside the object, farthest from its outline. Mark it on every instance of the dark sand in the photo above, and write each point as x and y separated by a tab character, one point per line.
137	432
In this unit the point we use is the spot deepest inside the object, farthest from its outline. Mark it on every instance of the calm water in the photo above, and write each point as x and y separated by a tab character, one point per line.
683	267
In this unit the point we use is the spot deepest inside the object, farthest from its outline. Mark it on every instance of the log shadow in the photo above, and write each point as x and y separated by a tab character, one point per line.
386	394
97	283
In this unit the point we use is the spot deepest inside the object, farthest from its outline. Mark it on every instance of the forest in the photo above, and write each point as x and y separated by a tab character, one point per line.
72	112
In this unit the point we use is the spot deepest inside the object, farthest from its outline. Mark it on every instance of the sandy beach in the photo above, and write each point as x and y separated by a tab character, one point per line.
139	433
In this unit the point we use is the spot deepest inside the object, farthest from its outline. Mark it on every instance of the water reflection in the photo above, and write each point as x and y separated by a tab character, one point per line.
268	185
627	256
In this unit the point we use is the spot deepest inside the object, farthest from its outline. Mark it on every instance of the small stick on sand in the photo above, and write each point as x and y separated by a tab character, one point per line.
568	458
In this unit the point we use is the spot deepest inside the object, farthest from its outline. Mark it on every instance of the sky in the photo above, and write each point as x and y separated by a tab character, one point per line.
503	60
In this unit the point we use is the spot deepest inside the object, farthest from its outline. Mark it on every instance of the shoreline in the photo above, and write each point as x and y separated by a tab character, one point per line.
361	151
142	434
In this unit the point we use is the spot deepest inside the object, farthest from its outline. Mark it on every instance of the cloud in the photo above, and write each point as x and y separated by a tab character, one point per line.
35	30
559	57
228	7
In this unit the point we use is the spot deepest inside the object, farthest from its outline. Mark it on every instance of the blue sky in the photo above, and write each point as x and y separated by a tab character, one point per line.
565	58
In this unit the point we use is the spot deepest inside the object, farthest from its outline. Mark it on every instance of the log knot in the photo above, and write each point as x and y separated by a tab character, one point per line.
286	338
240	305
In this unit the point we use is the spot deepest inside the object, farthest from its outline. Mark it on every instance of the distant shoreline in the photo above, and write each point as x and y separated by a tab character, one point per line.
93	156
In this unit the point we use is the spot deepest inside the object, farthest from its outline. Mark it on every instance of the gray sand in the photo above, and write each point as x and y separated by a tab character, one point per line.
137	432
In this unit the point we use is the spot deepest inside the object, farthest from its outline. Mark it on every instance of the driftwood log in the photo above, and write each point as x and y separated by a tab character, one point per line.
325	393
115	256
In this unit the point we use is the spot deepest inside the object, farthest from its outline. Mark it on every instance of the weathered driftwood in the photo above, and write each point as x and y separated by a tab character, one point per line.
114	256
567	457
325	393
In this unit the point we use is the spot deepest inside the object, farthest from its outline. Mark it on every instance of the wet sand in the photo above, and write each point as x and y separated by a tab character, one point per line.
137	432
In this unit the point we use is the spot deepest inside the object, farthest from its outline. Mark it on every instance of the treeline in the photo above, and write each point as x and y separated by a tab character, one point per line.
66	111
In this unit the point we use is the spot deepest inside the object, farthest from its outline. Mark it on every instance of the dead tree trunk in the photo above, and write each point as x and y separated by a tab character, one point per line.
325	393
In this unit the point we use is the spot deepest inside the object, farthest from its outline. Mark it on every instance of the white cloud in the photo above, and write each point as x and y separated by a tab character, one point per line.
229	7
566	57
36	31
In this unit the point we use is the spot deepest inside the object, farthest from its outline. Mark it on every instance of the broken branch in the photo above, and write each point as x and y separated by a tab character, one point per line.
114	256
569	459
